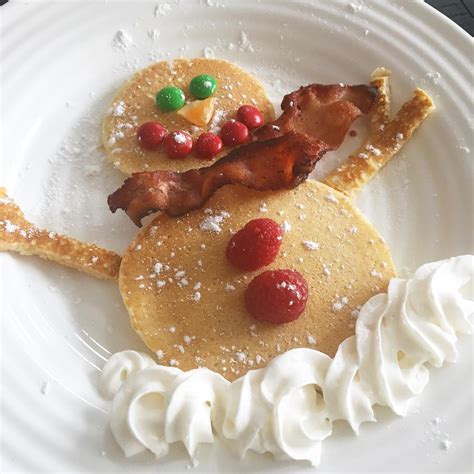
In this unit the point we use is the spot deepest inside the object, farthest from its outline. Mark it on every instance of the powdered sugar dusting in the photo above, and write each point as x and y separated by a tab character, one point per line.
162	9
244	43
154	34
310	245
122	41
286	227
339	303
208	53
433	76
212	223
354	7
180	138
373	150
217	119
376	274
9	226
117	109
331	198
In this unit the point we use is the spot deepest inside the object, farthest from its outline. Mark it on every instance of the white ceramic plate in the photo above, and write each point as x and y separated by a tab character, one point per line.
60	70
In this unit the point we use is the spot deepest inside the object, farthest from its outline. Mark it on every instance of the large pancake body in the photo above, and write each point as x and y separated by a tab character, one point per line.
202	320
134	105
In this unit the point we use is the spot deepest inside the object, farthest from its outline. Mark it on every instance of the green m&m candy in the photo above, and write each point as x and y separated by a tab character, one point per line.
170	98
203	86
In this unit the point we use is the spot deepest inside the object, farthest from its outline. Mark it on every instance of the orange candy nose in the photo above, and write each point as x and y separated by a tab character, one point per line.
198	112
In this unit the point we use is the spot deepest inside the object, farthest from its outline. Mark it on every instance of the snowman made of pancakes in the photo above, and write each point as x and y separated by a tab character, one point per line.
245	257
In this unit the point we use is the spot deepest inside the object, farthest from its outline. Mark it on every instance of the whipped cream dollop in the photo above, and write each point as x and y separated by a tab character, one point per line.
288	407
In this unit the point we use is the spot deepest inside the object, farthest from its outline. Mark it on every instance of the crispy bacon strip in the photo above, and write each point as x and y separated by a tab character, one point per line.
315	120
279	163
321	111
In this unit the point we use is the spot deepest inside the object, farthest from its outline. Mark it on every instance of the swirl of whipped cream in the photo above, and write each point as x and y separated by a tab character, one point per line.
280	409
118	368
288	407
196	405
155	406
344	394
415	323
139	410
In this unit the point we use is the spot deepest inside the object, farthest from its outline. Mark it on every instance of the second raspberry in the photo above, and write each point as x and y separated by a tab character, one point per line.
255	245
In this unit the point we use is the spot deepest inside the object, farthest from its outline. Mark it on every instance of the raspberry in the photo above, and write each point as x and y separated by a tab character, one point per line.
255	245
277	296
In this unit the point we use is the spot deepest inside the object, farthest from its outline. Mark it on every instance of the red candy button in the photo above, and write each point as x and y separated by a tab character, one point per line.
150	135
234	133
208	145
178	144
255	245
277	296
250	116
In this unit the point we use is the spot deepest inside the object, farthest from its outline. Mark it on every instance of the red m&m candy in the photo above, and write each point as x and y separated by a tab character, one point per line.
250	116
150	135
234	133
178	144
208	145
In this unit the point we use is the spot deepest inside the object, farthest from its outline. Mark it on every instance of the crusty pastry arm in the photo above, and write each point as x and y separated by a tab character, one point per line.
19	235
385	138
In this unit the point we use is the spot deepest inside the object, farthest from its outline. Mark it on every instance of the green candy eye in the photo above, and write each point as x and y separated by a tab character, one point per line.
203	86
170	98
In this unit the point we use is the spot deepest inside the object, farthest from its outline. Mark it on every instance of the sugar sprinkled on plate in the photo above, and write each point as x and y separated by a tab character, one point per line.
154	34
433	76
354	7
244	42
162	9
122	41
208	53
45	386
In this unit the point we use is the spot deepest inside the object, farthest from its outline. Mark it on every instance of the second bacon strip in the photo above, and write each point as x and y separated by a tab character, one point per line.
315	120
